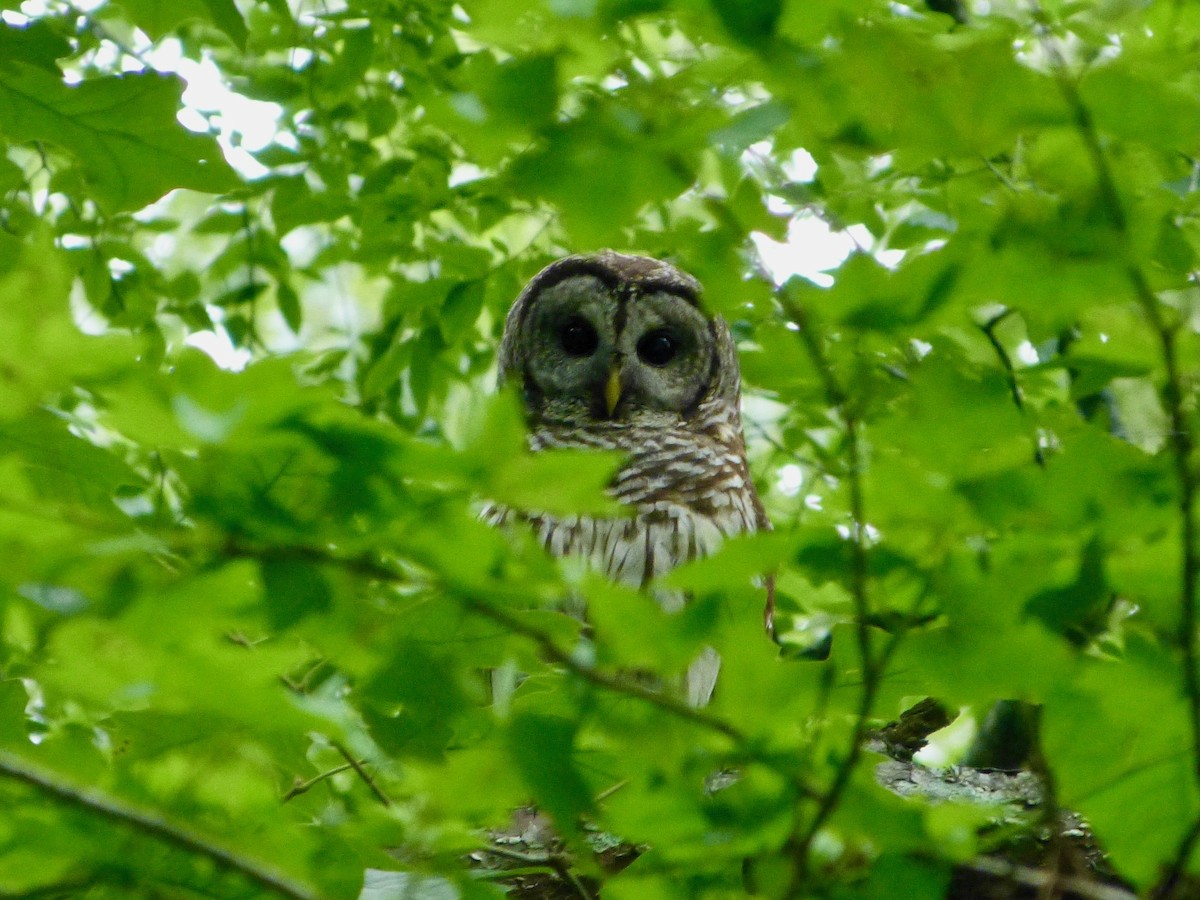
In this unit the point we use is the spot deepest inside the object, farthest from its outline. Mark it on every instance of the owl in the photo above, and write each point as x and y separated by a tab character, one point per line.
614	352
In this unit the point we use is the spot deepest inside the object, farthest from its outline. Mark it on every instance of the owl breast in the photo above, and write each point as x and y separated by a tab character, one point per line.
688	493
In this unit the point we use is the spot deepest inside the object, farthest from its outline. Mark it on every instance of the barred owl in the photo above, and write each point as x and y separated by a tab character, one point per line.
614	352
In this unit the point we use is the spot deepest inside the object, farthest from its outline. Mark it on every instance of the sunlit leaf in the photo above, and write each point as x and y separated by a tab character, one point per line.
121	129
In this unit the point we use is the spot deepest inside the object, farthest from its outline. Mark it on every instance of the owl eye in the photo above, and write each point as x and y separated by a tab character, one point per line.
657	348
578	338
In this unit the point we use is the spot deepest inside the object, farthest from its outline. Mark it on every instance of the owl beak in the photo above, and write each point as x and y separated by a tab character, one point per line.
612	390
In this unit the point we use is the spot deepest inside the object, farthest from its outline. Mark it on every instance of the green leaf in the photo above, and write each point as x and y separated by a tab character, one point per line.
122	131
751	125
561	482
599	171
869	296
293	589
414	700
1119	739
460	310
734	565
959	419
984	648
289	306
13	701
46	352
160	19
1068	609
751	22
36	44
552	481
294	204
897	875
1131	105
543	749
62	466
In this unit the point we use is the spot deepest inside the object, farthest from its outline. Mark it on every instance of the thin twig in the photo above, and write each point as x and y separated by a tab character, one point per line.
1010	371
302	787
1001	176
362	773
610	791
836	396
617	683
12	766
1040	878
1175	874
566	873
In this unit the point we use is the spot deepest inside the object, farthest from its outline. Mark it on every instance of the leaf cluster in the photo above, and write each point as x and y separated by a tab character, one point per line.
254	264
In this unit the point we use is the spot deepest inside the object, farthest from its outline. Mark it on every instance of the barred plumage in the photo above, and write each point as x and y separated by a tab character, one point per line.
613	353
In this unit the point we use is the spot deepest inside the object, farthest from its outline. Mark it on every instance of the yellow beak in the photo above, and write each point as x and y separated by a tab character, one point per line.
612	390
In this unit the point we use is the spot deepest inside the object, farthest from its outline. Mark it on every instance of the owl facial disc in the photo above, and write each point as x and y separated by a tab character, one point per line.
611	338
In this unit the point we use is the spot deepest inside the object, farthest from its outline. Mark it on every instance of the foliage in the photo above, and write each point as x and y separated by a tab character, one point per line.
248	609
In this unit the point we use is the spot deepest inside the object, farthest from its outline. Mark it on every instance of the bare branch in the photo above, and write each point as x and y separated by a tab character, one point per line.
362	773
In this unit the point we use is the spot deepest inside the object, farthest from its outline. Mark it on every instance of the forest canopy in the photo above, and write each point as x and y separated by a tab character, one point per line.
255	259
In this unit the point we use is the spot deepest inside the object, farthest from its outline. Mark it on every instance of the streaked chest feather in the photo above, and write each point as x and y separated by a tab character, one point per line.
688	494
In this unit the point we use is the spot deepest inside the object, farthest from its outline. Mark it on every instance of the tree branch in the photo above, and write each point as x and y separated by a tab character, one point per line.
1041	879
616	683
367	567
12	766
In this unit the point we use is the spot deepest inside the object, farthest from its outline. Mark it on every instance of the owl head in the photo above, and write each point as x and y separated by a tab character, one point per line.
619	339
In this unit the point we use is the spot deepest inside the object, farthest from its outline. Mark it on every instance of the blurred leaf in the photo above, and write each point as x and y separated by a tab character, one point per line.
13	700
61	465
1068	608
735	563
959	419
293	589
599	171
36	44
159	19
47	353
1120	742
559	481
897	875
751	125
543	750
752	22
1134	106
415	698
